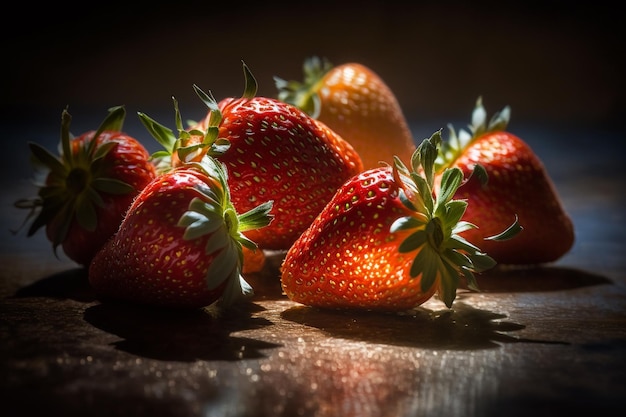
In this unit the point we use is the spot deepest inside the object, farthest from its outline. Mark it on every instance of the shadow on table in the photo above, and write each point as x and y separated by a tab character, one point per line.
71	284
461	328
173	335
537	279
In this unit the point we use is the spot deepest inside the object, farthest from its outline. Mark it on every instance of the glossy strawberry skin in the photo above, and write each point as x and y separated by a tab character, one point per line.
518	184
148	261
348	258
281	154
355	102
358	104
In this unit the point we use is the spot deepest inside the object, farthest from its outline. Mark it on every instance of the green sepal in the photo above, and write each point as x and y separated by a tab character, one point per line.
414	241
457	258
250	83
427	263
406	223
101	151
450	182
215	117
305	94
164	135
112	186
482	262
200	219
66	137
470	279
449	283
480	173
455	210
161	155
114	120
212	215
509	233
423	199
406	202
66	213
457	142
86	212
425	156
47	159
223	266
460	243
256	217
71	190
443	256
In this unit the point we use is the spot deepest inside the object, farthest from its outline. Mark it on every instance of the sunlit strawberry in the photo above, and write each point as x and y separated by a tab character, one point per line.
388	240
519	185
355	102
273	151
181	243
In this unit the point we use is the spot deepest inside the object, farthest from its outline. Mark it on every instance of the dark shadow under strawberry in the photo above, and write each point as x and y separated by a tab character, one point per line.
184	336
71	284
505	279
464	328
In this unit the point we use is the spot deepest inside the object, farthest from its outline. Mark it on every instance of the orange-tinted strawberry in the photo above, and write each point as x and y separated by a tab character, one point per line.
388	240
180	245
253	260
273	151
356	103
89	187
519	185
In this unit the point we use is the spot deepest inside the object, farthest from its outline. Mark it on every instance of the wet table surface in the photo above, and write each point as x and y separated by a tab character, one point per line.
537	341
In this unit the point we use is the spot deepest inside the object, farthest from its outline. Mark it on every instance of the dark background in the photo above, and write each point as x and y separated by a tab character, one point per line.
554	62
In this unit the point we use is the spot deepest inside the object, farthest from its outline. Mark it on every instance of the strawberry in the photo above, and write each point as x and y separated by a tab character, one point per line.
519	185
253	260
388	240
180	244
273	151
356	103
89	187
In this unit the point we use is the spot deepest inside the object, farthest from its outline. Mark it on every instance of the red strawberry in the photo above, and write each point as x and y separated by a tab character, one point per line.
180	245
273	151
89	187
388	240
518	185
356	103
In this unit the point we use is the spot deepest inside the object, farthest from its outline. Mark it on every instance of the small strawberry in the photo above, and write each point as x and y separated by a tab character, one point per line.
356	103
180	245
388	240
519	185
273	151
89	187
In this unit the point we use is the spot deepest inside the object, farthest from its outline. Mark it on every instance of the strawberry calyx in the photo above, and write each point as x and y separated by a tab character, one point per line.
304	94
215	215
435	223
192	144
75	179
459	141
189	145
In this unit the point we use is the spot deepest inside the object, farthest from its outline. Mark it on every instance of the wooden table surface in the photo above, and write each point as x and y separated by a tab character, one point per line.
535	341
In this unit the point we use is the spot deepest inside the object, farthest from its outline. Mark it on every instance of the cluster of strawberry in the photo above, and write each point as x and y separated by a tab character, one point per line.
326	172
